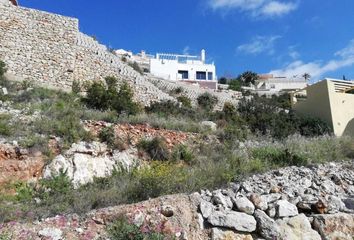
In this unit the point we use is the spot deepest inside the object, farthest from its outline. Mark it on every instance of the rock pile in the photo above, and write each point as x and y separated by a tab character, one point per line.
315	202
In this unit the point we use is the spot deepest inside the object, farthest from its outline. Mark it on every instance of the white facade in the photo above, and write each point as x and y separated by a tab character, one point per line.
182	67
270	85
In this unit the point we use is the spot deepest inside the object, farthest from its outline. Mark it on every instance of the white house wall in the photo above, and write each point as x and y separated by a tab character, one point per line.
169	69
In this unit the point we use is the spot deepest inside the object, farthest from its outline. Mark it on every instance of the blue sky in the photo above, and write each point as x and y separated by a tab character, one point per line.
286	37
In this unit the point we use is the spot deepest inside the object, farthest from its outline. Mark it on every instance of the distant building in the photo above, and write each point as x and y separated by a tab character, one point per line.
268	84
331	100
186	68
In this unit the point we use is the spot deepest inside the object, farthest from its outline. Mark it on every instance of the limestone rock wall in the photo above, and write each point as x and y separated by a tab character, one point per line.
38	46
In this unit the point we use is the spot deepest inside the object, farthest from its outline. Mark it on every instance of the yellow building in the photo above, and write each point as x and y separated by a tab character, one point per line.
331	100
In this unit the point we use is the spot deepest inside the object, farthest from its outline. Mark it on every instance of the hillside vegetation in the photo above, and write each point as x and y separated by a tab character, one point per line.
257	135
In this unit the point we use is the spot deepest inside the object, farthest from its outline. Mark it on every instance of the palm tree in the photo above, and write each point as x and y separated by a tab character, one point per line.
306	76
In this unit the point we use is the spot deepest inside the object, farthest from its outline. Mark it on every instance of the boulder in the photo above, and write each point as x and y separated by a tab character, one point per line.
244	205
233	220
266	226
297	228
220	234
286	209
221	199
209	124
335	226
259	201
206	208
85	161
51	233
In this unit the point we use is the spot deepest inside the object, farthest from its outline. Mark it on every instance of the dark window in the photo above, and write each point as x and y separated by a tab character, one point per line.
201	75
210	76
184	74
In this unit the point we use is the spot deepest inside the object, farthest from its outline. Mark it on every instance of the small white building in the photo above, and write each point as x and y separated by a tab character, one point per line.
186	68
268	84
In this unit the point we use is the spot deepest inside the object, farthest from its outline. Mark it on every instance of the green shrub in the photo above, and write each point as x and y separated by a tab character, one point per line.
182	153
279	157
5	126
234	132
121	229
62	119
110	98
207	101
107	135
186	102
3	81
170	108
156	148
58	185
97	96
177	91
76	87
264	116
24	192
236	85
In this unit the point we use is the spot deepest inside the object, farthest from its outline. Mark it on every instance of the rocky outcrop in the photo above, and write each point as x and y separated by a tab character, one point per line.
18	164
85	161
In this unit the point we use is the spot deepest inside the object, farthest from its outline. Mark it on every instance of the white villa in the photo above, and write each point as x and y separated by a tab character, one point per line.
186	68
268	84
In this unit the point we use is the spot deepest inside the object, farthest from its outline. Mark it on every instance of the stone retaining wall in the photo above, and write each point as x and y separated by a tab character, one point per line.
38	46
49	50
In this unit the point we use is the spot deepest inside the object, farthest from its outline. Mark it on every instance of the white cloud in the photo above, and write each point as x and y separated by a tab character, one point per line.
265	8
275	8
318	69
347	51
259	44
293	53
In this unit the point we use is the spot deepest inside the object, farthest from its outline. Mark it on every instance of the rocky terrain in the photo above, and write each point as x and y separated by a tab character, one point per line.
314	202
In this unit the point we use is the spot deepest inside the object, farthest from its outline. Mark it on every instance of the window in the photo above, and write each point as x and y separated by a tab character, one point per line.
201	75
183	74
210	76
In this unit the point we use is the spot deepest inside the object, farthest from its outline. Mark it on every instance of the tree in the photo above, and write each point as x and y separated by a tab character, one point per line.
235	84
223	80
248	78
306	76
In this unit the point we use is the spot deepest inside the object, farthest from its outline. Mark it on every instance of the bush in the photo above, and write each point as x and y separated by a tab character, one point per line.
97	97
76	87
207	101
156	148
121	229
62	119
168	108
182	153
110	98
5	126
266	117
236	85
177	91
186	102
279	157
3	81
107	135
